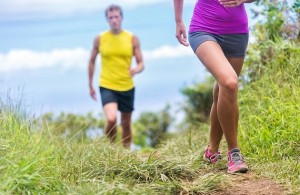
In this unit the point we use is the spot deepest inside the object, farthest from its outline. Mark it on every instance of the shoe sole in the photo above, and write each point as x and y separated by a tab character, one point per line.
240	170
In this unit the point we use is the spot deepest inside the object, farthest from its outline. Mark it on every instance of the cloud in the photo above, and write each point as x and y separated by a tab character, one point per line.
166	52
37	9
24	59
16	60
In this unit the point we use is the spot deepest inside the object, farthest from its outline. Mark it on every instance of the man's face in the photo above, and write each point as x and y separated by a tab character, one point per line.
114	19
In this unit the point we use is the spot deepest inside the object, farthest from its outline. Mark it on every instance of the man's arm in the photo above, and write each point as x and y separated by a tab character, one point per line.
91	69
138	57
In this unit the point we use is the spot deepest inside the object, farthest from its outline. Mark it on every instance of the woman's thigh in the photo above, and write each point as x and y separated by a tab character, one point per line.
212	57
237	64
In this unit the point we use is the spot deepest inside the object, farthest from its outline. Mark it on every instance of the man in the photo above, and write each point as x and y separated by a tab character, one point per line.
116	48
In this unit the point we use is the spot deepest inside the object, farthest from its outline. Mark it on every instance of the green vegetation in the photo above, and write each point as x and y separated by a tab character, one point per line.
270	113
54	155
150	129
35	161
199	100
68	125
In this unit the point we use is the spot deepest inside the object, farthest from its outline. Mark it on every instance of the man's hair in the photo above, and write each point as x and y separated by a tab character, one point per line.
112	8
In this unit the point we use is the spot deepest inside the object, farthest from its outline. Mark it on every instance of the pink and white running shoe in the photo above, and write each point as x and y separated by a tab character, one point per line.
236	162
211	157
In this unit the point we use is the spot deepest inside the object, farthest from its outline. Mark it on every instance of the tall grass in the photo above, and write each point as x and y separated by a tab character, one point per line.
39	163
25	157
270	115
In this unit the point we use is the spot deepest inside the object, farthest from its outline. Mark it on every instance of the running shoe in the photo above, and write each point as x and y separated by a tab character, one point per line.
236	162
211	157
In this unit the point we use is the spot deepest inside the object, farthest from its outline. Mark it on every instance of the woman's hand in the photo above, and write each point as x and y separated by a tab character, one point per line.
231	3
181	34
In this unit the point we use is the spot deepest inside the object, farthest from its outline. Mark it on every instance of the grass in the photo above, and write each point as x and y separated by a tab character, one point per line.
40	163
270	116
36	162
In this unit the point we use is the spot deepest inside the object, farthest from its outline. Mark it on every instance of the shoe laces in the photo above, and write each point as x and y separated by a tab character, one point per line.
236	157
215	156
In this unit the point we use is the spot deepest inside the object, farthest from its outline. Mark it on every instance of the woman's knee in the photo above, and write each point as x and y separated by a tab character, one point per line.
230	85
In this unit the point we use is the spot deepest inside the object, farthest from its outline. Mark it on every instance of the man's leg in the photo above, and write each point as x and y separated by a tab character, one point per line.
110	111
126	128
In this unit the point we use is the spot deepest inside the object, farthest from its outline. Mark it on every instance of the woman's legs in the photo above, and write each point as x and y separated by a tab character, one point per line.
216	131
224	113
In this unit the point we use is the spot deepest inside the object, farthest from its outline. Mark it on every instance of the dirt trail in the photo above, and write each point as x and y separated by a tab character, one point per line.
251	184
246	184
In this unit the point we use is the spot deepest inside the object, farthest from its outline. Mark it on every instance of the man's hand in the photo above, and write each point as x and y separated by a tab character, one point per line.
231	3
181	34
132	71
135	70
93	93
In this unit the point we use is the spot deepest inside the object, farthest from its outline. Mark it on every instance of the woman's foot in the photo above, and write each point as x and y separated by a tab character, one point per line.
211	157
236	162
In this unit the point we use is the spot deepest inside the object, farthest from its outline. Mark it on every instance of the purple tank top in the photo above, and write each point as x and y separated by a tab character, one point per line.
210	16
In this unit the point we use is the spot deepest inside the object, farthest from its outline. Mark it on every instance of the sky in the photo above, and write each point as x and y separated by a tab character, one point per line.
45	47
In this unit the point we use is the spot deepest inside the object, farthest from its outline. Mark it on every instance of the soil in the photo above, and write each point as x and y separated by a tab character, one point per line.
248	184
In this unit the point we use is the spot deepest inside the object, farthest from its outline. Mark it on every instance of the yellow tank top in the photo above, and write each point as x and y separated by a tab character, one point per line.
116	53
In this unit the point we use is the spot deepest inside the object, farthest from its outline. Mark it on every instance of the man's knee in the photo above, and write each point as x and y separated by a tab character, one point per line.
111	120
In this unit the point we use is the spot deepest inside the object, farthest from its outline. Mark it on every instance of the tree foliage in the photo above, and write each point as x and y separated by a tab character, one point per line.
151	128
69	124
198	101
280	23
276	20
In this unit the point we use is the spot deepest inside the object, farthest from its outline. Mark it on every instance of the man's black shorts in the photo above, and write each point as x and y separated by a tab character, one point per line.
124	99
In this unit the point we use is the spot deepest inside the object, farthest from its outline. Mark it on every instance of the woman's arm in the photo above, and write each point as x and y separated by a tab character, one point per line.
180	28
249	1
